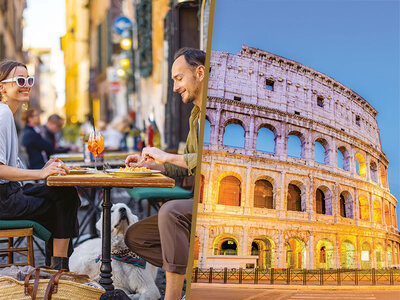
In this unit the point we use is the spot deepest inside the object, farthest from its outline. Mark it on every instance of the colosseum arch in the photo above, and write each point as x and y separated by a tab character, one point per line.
383	174
379	256
264	193
296	142
324	257
343	158
230	190
264	248
395	254
347	255
234	134
373	170
389	256
296	196
346	205
295	253
363	207
207	131
225	244
323	201
202	188
324	158
361	164
365	255
388	218
377	212
266	139
196	252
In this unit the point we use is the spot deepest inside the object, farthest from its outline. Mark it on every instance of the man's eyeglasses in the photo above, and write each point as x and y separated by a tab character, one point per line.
21	81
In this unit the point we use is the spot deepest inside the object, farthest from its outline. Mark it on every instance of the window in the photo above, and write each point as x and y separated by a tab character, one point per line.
237	98
342	206
229	191
269	84
320	202
320	101
207	132
234	136
294	146
263	194
293	198
201	188
297	112
266	140
358	120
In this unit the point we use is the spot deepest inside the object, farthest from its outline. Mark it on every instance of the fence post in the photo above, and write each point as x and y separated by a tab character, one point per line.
196	274
210	275
391	277
339	282
304	276
256	275
240	275
287	276
225	274
321	276
373	276
272	275
356	276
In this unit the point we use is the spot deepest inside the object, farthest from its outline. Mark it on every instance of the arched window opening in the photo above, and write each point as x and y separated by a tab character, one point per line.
343	159
389	256
263	194
384	179
324	254
229	191
207	132
294	146
321	151
295	254
377	212
265	140
363	208
374	171
361	165
394	221
293	198
342	206
365	256
225	246
346	201
380	262
263	248
234	136
320	202
347	255
202	180
387	215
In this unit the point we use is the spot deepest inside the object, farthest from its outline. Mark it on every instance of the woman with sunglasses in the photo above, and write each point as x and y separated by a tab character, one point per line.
53	207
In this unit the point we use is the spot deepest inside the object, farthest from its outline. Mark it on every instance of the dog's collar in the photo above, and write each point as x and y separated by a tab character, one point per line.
126	256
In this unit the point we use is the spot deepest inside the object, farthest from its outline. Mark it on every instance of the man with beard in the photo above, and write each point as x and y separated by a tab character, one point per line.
163	239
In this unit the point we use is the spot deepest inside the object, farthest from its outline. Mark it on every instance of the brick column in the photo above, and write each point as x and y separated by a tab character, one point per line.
280	204
311	250
371	210
336	199
203	254
280	255
356	208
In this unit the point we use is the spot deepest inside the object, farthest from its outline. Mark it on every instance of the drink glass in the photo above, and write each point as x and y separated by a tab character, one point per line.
95	145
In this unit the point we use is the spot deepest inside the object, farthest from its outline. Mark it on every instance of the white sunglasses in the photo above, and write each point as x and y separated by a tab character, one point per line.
22	81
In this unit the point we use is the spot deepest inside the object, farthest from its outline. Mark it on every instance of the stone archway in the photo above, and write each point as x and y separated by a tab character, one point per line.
324	254
295	253
225	244
365	256
264	248
347	255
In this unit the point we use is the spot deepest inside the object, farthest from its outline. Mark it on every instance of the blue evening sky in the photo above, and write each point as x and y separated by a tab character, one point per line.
355	42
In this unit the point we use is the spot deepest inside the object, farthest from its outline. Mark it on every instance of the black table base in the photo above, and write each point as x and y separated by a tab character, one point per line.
105	269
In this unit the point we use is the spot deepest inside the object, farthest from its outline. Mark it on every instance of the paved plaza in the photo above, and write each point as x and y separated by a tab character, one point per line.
243	293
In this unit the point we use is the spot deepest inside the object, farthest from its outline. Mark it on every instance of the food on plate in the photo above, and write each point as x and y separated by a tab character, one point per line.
134	169
79	169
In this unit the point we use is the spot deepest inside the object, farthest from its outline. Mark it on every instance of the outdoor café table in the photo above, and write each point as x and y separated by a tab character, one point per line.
108	181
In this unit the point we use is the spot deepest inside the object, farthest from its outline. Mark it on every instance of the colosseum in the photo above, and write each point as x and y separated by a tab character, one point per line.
265	207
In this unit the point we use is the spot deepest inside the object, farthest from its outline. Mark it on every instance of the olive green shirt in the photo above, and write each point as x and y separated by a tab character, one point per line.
190	152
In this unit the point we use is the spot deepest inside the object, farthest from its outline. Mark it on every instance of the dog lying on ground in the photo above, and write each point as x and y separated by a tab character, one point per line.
138	278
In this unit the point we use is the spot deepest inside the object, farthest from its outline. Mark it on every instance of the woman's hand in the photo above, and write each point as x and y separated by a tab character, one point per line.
54	166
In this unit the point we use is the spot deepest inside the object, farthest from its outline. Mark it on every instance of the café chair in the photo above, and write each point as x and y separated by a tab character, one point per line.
155	196
10	229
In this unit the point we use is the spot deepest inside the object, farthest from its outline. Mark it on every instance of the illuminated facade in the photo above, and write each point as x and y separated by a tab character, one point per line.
263	207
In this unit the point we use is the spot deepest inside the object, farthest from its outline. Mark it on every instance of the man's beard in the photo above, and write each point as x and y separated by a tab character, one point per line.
191	96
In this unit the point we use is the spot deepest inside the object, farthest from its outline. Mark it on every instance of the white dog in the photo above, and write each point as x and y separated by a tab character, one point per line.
125	276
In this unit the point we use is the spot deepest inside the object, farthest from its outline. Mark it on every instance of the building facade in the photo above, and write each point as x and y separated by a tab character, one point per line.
263	206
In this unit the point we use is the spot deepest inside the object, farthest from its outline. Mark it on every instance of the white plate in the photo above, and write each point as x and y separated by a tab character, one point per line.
88	170
131	173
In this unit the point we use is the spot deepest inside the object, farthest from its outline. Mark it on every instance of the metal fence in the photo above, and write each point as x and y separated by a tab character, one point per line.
298	276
